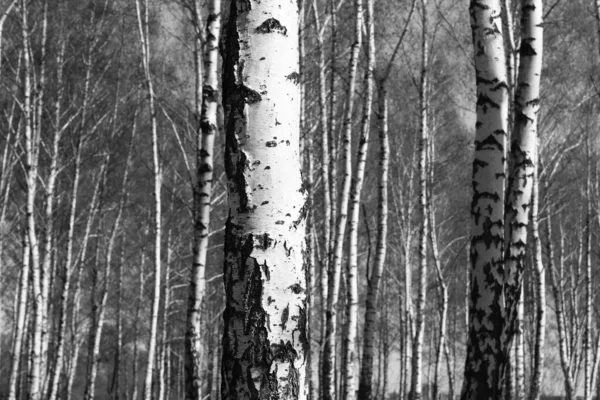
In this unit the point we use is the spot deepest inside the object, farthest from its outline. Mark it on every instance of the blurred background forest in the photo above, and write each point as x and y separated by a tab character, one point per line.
92	204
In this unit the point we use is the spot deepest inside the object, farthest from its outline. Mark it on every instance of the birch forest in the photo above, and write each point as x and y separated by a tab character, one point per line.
299	199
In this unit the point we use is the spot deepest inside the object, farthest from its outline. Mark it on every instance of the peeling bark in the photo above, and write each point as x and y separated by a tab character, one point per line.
265	344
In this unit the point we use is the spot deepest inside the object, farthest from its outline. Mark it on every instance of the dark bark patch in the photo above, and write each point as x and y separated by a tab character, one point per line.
527	49
294	77
271	143
251	96
296	288
271	25
285	314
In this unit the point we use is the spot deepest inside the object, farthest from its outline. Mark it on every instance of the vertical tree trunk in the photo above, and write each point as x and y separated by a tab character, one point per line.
163	381
559	311
202	199
143	27
518	366
365	390
351	345
523	155
540	288
265	343
334	273
20	325
485	359
417	352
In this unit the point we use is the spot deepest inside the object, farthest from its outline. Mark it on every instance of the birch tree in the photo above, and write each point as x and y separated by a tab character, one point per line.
142	12
265	341
329	365
207	108
485	355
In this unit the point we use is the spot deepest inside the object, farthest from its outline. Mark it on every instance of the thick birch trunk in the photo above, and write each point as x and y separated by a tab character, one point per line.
485	359
202	198
265	341
334	273
523	157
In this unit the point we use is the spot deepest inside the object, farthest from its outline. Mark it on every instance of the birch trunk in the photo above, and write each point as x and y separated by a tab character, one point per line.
265	341
334	273
485	359
365	390
31	167
560	321
325	155
540	289
350	355
417	350
442	345
523	156
144	33
202	198
20	325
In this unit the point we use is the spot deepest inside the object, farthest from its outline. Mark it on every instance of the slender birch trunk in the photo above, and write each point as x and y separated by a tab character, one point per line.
540	289
587	338
417	351
351	345
518	367
559	311
485	359
31	167
334	273
365	391
265	341
20	325
442	345
117	369
163	381
202	198
144	33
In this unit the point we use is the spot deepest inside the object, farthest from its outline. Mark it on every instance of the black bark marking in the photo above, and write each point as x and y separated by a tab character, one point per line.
485	102
294	77
489	143
251	96
271	143
271	25
285	314
527	49
296	288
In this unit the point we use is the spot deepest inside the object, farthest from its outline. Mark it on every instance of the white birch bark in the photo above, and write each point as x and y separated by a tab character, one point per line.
265	344
366	376
20	326
202	199
142	13
417	351
523	156
351	345
334	273
540	289
485	357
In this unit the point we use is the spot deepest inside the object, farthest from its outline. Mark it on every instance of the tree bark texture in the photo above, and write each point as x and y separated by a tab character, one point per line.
485	355
265	344
202	202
